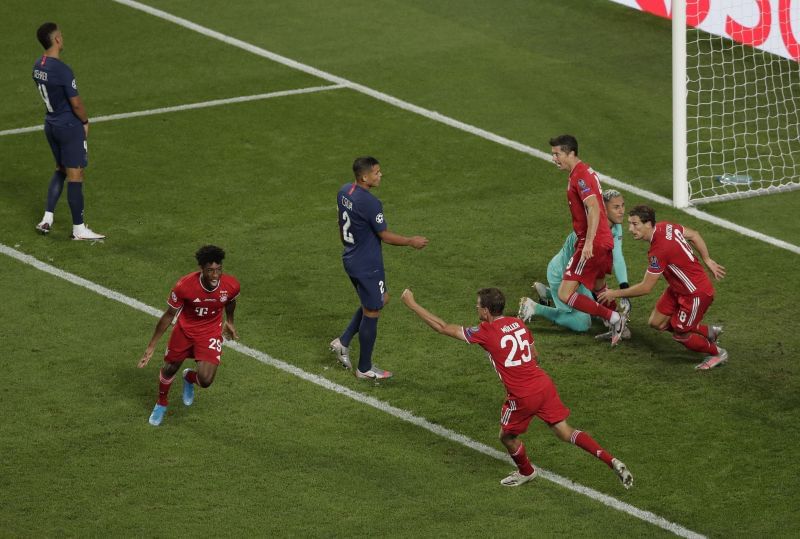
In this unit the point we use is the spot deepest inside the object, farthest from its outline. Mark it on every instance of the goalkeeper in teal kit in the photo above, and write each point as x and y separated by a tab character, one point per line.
552	308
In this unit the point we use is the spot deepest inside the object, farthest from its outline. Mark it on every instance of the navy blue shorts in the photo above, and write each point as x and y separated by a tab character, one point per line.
68	145
370	289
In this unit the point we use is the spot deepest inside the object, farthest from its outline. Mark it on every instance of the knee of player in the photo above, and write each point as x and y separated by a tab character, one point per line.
657	324
583	324
507	439
680	337
204	382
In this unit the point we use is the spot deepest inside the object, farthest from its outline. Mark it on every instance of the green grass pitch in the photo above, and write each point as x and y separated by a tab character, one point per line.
264	453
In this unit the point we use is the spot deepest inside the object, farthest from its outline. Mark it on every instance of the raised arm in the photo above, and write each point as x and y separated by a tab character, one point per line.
697	240
439	325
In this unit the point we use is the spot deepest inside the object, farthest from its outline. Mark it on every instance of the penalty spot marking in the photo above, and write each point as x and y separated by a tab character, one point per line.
441	118
404	415
190	106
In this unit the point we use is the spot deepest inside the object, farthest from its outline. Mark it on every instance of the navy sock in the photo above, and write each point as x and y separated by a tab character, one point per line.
54	191
367	333
352	328
75	199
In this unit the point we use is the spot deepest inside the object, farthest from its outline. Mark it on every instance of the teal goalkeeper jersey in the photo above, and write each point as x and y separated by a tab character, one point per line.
559	263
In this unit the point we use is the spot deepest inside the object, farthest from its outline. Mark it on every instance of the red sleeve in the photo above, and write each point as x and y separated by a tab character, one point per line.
175	299
475	334
235	288
656	262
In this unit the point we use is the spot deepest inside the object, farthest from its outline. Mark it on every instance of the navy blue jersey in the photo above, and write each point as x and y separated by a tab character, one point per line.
360	221
56	84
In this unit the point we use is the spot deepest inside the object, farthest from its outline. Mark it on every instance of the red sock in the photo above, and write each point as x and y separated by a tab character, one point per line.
163	388
701	329
589	306
696	342
521	460
612	305
587	443
191	376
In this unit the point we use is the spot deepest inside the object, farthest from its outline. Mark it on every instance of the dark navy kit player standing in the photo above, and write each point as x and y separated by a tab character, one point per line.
362	228
66	128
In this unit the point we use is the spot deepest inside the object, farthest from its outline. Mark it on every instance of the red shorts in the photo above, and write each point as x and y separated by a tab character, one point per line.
587	272
517	412
204	348
685	312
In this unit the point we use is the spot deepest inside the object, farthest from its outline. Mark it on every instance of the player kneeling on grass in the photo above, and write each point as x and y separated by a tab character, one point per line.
530	391
689	293
198	299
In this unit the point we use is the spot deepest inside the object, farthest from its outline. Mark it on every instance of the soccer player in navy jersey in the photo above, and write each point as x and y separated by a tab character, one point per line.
529	390
66	126
362	228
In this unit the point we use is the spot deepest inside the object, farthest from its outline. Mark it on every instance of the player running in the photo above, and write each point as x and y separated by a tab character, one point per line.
530	391
198	299
689	293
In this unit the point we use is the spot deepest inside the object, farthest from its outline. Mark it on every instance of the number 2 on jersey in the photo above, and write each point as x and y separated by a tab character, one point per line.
517	341
346	235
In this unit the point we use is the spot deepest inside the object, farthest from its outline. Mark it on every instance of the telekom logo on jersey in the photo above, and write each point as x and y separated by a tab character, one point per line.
766	24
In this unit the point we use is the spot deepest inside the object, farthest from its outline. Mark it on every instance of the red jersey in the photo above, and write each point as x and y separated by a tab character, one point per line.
671	255
510	347
201	309
583	183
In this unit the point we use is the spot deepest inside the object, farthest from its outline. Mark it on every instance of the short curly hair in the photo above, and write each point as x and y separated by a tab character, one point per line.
208	254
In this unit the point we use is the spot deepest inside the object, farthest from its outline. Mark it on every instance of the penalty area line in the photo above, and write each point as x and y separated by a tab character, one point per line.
323	382
190	106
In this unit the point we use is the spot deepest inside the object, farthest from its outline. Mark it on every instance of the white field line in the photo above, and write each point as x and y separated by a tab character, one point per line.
404	415
433	115
190	106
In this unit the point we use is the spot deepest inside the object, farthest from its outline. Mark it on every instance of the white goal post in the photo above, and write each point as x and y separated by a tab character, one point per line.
736	99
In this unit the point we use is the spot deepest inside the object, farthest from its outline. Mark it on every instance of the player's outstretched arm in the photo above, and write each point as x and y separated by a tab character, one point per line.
639	289
439	325
161	327
417	242
699	243
229	330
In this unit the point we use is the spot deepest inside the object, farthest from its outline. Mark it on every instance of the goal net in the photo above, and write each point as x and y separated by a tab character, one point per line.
742	103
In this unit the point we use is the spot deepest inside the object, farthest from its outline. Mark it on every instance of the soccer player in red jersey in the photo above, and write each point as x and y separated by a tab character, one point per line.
593	251
198	299
530	391
689	292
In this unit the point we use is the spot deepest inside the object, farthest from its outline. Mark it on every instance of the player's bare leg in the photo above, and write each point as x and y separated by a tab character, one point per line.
565	433
203	375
